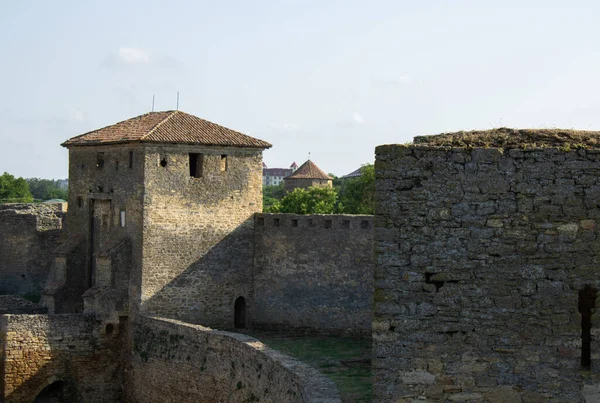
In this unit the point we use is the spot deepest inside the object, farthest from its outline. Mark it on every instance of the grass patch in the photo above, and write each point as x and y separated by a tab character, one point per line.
346	361
32	297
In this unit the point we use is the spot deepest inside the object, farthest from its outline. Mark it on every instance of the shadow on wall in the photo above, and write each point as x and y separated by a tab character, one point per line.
205	292
67	357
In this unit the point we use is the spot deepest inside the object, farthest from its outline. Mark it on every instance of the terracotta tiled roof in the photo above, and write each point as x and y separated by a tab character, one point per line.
309	170
167	127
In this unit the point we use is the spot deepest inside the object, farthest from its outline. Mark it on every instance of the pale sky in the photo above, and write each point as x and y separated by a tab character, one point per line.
335	78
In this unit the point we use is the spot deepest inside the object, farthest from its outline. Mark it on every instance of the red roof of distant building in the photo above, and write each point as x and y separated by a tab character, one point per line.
309	170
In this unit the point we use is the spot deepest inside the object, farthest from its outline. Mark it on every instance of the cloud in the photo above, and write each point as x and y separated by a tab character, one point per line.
288	127
129	55
391	83
358	118
75	115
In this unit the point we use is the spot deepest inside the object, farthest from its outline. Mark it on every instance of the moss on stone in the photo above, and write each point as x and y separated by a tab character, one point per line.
507	138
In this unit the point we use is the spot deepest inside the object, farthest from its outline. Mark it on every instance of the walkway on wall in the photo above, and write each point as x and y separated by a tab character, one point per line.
346	361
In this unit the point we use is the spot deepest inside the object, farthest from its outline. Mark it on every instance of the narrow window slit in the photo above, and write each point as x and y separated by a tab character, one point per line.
587	306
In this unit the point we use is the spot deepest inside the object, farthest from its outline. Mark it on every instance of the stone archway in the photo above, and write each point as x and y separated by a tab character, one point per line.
240	313
57	392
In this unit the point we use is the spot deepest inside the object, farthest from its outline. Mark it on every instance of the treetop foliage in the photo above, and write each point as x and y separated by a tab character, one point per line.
348	196
14	190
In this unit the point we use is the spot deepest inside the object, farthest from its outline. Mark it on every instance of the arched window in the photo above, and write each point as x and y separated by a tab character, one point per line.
240	313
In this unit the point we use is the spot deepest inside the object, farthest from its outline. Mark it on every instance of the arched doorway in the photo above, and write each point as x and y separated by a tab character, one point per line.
240	313
57	392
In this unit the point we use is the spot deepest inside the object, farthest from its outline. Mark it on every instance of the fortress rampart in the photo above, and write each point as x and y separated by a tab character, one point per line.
74	353
180	362
313	272
486	273
28	236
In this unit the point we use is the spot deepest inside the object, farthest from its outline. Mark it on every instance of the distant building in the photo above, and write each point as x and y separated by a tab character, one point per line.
274	176
353	174
307	175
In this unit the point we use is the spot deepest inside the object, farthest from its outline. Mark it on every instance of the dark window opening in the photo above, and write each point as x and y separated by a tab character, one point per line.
346	224
116	165
79	201
276	222
240	313
364	224
327	224
223	162
294	222
587	306
163	162
109	328
100	189
311	222
260	221
100	160
130	159
196	165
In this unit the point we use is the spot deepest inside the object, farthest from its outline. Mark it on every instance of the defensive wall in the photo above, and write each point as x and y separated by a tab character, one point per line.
74	353
180	362
313	272
486	273
28	236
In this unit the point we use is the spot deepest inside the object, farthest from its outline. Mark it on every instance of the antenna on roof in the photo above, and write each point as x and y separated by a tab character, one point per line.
309	155
152	102
177	100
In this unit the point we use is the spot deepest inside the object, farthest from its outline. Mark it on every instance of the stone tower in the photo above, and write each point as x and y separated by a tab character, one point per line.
307	175
153	200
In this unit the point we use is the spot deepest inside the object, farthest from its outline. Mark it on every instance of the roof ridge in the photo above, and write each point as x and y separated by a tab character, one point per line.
158	125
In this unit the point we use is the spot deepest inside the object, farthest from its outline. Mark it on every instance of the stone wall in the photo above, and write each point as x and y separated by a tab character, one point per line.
38	350
28	236
106	184
180	362
313	272
480	258
197	244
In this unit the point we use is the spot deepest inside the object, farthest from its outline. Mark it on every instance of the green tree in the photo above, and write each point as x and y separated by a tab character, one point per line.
14	190
271	198
45	189
357	195
314	200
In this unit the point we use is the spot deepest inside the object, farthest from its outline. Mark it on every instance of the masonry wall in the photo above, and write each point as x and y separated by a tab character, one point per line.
480	257
313	272
197	244
28	235
38	350
179	362
118	183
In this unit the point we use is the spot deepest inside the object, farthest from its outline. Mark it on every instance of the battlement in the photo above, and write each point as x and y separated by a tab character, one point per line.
263	221
313	272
